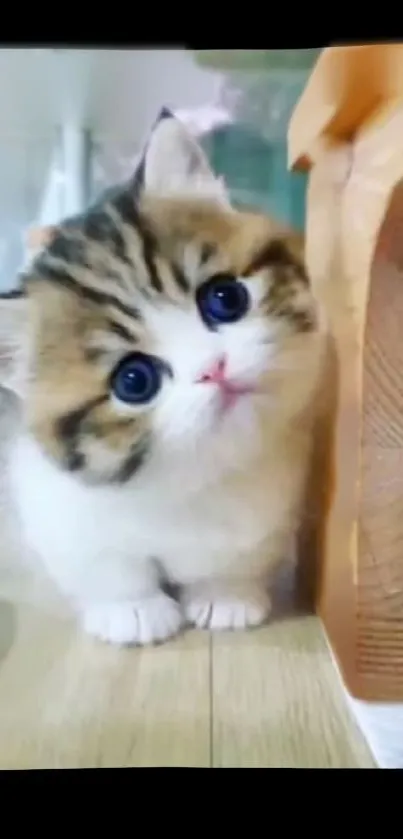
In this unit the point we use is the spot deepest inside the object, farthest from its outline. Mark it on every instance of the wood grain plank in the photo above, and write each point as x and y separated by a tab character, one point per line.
277	701
66	701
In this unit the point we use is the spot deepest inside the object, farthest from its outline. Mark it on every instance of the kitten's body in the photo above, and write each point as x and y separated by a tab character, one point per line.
117	501
110	544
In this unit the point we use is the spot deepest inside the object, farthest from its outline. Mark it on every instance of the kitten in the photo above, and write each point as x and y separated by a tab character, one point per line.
166	350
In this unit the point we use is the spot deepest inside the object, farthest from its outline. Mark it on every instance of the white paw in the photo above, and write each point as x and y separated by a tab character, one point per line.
227	612
144	622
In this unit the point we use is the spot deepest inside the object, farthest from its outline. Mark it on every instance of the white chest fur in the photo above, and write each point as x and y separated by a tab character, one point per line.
193	531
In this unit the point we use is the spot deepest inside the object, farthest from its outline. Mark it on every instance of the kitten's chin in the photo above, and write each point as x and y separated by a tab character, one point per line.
218	441
235	429
234	414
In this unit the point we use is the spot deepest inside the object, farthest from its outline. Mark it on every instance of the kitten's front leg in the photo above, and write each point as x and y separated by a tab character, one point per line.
226	603
121	602
134	623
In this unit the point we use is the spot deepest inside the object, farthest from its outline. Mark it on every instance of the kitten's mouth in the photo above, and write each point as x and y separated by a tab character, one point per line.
230	393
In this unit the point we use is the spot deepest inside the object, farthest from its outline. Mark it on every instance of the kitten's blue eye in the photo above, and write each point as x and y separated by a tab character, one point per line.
137	379
222	300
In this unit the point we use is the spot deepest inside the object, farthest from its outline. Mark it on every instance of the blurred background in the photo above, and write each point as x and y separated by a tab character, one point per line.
74	122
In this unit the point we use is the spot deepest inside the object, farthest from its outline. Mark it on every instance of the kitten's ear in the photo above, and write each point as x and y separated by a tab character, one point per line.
13	319
174	164
37	238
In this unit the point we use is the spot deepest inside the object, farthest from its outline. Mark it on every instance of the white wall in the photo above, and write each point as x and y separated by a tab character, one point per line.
115	93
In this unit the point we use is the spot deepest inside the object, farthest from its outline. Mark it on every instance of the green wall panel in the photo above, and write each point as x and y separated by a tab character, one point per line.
256	172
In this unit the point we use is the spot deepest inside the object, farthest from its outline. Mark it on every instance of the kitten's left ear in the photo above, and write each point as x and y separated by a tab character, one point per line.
174	164
13	323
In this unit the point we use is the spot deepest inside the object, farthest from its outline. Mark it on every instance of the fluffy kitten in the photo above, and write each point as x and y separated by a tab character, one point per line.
166	349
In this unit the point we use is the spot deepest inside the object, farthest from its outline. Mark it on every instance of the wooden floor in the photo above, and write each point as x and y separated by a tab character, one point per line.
269	697
266	698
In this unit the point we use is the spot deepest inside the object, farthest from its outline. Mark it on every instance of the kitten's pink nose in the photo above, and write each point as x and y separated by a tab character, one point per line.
215	373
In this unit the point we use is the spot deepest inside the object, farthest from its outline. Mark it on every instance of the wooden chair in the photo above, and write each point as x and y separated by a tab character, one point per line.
347	130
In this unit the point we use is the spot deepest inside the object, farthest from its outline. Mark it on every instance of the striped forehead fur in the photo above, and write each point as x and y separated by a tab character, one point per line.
89	288
116	253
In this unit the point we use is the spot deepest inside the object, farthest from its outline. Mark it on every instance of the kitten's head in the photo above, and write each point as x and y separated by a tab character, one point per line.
155	323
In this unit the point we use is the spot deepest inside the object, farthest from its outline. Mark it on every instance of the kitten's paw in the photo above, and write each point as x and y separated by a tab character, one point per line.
231	612
147	621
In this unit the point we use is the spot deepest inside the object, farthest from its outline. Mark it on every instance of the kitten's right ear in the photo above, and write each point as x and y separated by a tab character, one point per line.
13	320
37	238
34	240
